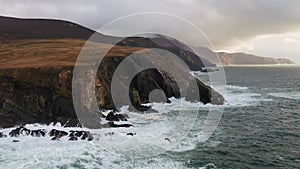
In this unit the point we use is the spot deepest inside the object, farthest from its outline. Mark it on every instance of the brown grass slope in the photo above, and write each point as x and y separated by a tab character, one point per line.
55	53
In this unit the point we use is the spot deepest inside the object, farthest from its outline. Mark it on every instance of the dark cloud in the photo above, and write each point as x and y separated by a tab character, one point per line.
226	22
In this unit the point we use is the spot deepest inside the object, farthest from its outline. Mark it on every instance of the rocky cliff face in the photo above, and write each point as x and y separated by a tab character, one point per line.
37	88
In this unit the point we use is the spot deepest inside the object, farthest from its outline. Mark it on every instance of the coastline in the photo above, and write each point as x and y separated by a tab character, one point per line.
260	65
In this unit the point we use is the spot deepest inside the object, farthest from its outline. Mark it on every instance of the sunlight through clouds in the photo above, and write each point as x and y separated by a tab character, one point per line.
277	45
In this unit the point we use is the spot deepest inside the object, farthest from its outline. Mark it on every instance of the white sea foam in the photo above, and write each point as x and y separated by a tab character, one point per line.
31	152
209	166
151	131
240	96
233	87
288	95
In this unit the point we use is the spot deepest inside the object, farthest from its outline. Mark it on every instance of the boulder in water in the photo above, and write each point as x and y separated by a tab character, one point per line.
2	135
116	117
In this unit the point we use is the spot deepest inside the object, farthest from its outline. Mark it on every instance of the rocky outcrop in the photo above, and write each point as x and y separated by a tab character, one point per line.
54	133
112	116
2	135
72	135
26	132
147	81
207	94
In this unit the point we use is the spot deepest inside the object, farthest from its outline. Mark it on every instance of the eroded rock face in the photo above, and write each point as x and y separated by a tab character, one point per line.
206	94
44	95
147	81
34	95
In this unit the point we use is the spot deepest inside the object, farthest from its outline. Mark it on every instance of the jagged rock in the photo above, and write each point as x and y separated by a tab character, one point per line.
19	131
38	133
54	133
167	139
73	138
26	132
79	133
87	136
73	135
76	133
2	135
57	133
111	116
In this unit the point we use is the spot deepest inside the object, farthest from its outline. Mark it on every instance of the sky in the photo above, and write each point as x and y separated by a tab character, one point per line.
262	27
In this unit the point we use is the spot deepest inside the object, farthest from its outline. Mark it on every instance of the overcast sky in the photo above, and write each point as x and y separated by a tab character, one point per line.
262	27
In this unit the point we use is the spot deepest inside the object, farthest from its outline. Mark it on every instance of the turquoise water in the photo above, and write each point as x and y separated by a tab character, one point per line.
260	128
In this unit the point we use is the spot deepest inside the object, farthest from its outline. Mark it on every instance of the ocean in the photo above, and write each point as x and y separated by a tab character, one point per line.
259	128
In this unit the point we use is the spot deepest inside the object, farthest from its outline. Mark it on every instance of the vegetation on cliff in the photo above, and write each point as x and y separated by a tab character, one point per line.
36	77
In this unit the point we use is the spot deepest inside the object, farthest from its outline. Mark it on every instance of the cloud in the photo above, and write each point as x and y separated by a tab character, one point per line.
226	22
279	45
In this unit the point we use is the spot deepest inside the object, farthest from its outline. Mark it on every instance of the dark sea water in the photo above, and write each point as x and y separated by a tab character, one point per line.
263	135
260	128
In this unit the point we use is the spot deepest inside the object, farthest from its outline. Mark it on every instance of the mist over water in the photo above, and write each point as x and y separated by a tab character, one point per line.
259	129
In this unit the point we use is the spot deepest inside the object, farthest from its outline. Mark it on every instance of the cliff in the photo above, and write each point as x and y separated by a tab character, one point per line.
36	81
